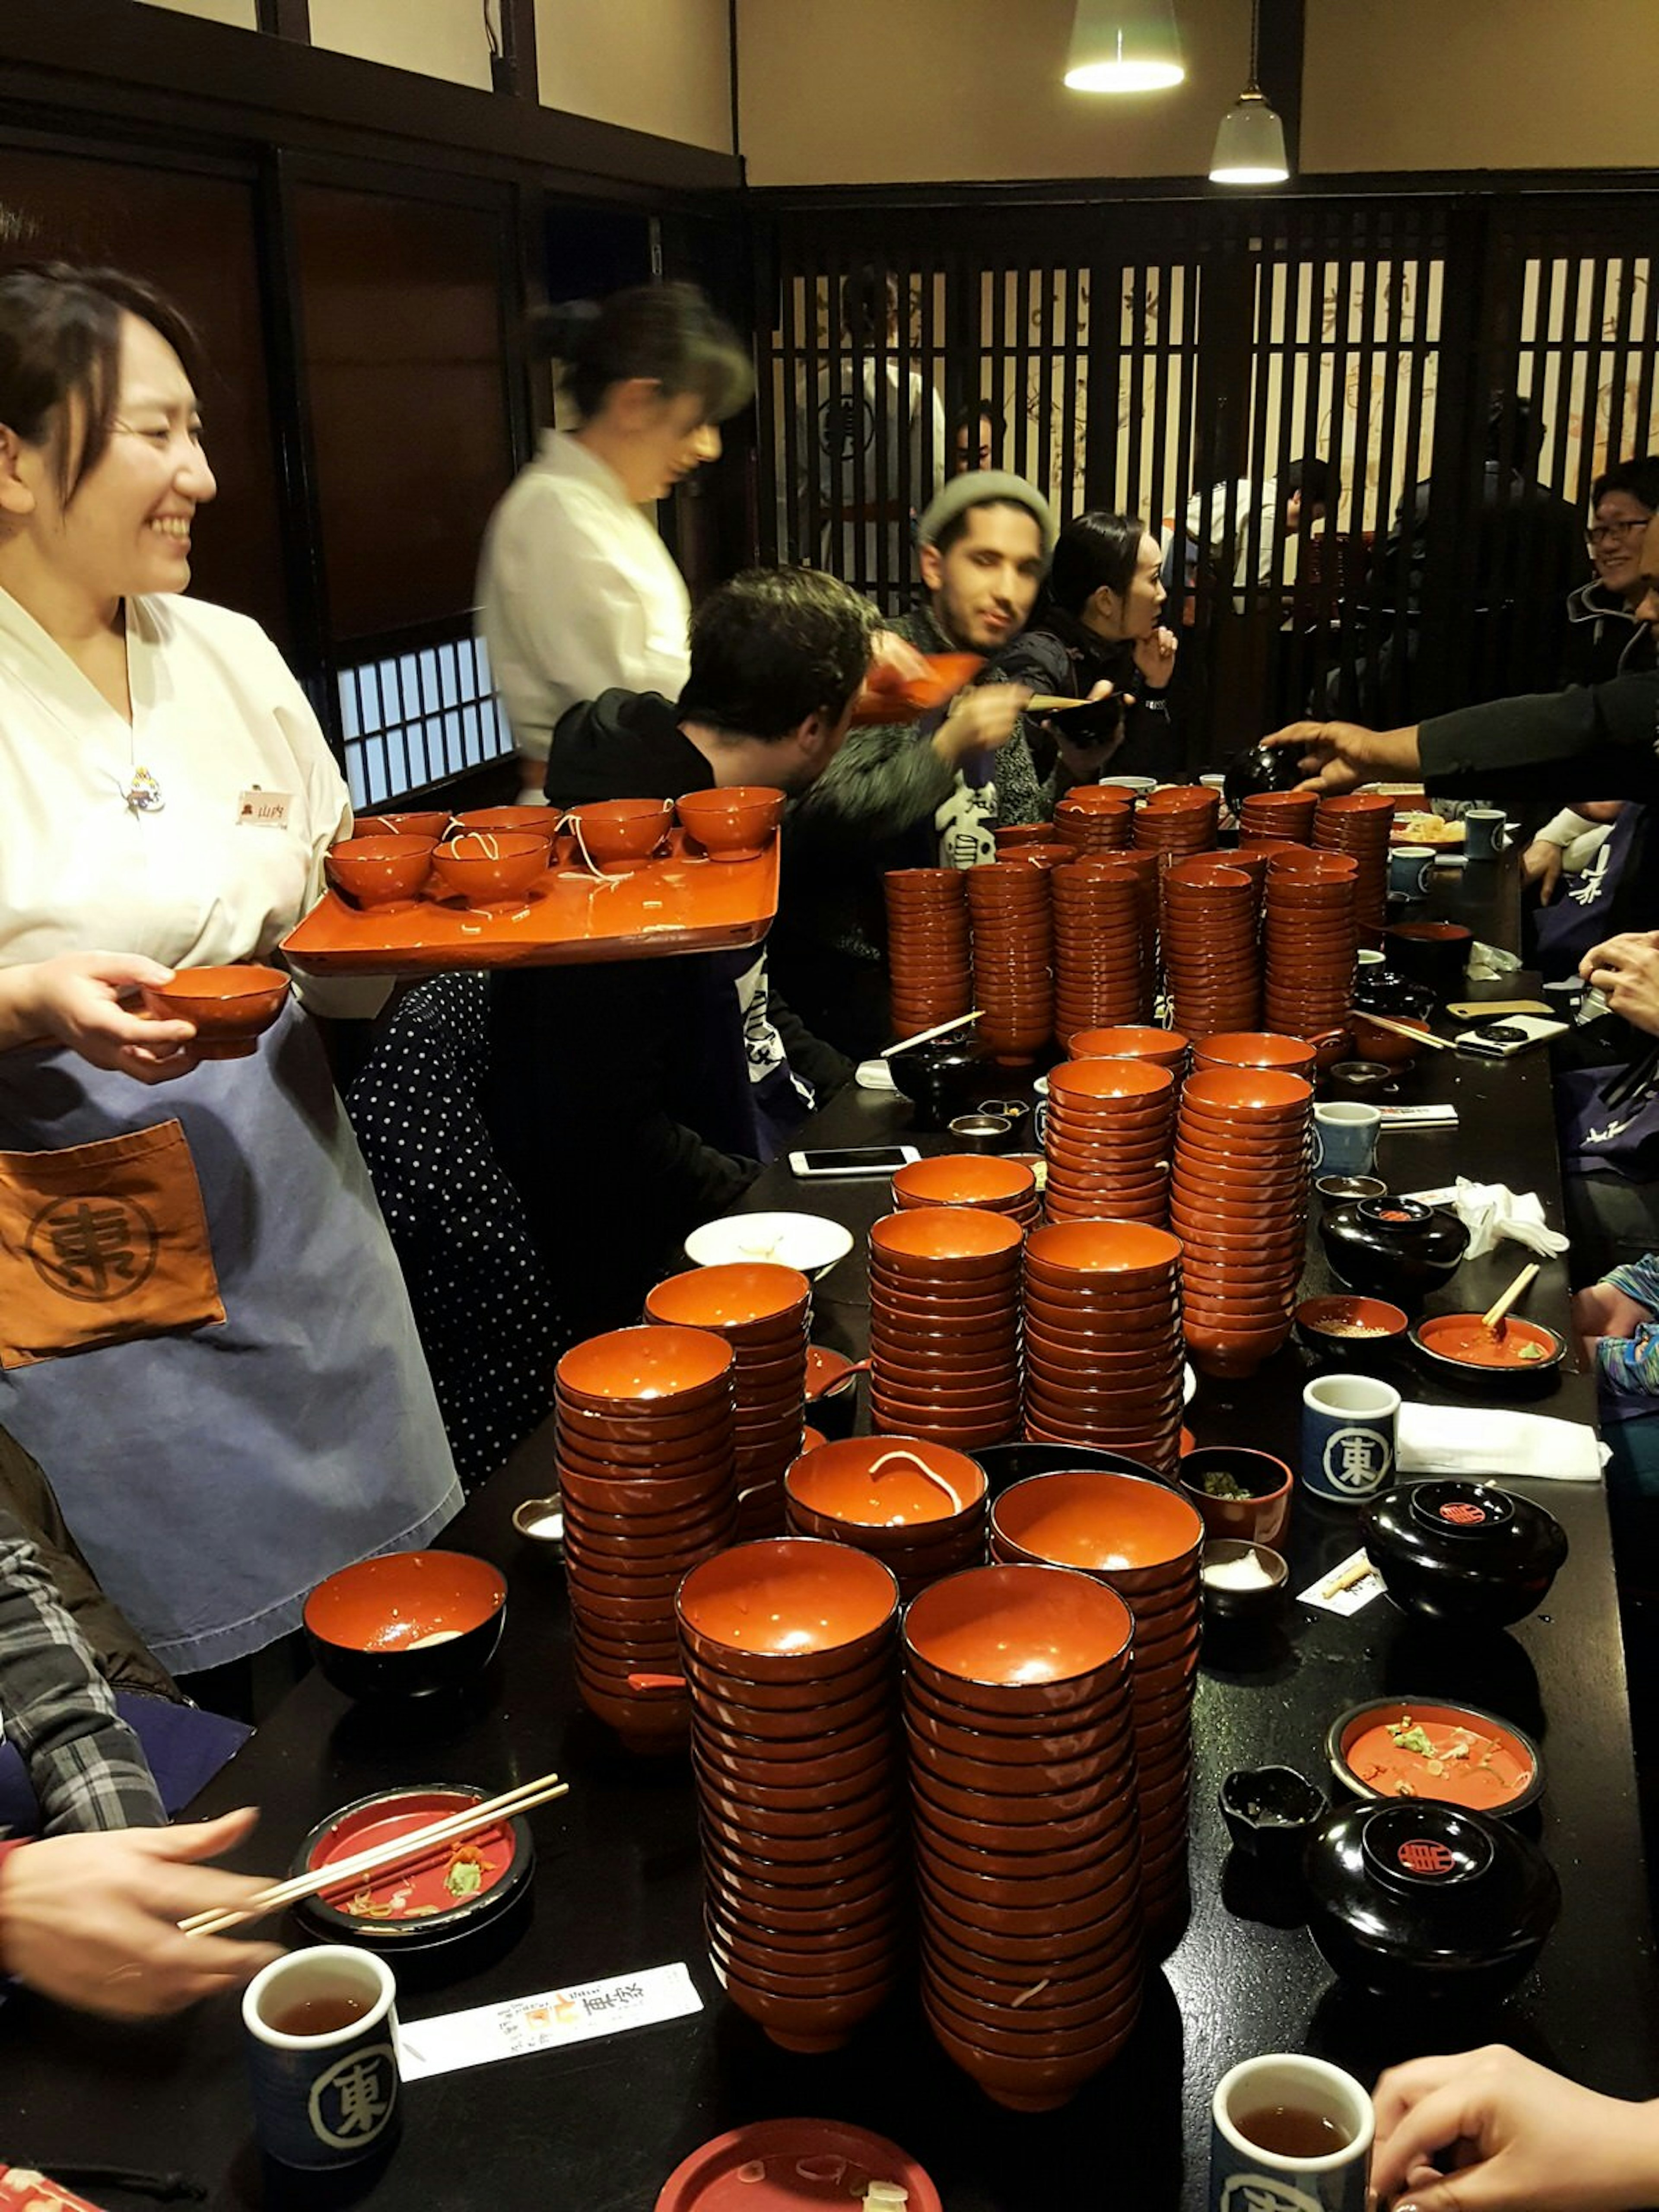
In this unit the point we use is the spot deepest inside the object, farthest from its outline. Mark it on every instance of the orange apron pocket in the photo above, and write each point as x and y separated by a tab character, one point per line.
100	1243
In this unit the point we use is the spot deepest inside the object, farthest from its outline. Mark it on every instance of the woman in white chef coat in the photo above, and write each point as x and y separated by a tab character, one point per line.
204	1335
577	592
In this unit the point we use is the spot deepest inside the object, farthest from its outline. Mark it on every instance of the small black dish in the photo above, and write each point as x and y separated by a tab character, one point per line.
1348	1190
1395	1249
940	1080
1263	768
1270	1811
980	1132
1252	1604
1383	990
501	1858
1464	1555
1361	1080
1090	722
1004	1464
1423	1900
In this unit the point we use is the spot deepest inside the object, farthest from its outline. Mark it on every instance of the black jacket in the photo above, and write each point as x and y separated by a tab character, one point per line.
1601	742
1604	638
1057	654
619	1093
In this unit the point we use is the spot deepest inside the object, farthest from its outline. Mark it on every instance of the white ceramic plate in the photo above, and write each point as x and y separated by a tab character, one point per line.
806	1241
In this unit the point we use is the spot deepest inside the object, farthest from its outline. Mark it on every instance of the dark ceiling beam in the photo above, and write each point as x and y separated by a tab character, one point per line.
149	66
515	68
1281	46
285	19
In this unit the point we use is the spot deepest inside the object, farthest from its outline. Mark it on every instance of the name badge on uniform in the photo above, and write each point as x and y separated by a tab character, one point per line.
263	810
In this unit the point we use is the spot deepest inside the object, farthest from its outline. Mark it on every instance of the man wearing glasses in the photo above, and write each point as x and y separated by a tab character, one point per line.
1605	636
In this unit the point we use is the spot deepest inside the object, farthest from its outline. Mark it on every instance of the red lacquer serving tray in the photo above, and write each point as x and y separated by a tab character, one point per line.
680	903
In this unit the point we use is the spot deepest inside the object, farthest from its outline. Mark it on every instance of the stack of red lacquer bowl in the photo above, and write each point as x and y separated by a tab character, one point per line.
1096	817
644	1458
1211	947
1279	817
1255	1049
929	955
1308	932
788	1650
944	1325
1103	1356
1013	947
765	1314
1359	822
1107	1139
1019	1708
1238	1201
917	1507
974	1179
1133	1041
1178	821
1102	973
1144	1542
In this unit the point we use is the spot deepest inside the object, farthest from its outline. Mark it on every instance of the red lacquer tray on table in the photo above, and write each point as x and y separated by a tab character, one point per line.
679	903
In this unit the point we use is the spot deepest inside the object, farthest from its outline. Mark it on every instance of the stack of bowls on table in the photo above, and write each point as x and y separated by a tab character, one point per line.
1238	1199
1211	950
1146	1541
1359	822
917	1507
1178	821
645	1468
1135	1041
974	1179
1279	817
1096	817
1309	935
1013	945
1106	1136
944	1325
1255	1049
1102	973
1018	1711
1253	861
764	1312
929	953
788	1650
1148	865
1103	1357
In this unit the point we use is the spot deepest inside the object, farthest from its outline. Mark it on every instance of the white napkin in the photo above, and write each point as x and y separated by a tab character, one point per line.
875	1075
1491	1440
1491	1209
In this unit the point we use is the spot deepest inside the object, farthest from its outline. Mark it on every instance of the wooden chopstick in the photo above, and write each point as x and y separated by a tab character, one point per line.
1495	1314
925	1036
1403	1029
449	1829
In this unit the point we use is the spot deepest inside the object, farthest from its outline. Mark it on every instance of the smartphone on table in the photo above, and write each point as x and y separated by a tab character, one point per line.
852	1160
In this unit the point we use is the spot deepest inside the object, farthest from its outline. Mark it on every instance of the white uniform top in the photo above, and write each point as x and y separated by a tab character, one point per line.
577	593
1206	525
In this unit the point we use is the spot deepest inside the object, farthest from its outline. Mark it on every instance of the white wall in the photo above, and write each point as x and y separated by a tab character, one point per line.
658	65
438	38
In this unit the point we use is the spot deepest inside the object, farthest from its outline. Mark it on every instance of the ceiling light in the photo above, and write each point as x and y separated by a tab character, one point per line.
1124	45
1249	147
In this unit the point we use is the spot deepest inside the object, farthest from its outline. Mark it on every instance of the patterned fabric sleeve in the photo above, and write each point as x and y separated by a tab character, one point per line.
1631	1363
84	1762
1639	1281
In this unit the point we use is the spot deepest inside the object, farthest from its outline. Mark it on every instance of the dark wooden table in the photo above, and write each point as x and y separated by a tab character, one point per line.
599	2126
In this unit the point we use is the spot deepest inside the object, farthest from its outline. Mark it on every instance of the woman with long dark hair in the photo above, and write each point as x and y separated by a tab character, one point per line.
205	1336
577	592
1097	633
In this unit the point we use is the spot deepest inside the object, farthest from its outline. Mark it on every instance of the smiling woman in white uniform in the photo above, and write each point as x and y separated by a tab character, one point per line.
213	1469
577	592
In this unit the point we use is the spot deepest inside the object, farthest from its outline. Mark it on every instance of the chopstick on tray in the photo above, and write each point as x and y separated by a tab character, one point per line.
1404	1029
926	1037
448	1829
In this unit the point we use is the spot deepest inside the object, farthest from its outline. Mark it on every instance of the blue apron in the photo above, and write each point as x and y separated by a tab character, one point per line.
213	1476
1580	916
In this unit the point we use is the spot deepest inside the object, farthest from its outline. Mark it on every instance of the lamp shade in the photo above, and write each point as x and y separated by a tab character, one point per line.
1249	147
1124	45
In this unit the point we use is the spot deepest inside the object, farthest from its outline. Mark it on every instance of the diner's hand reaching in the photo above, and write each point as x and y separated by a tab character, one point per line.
1155	657
1540	866
1513	2137
980	721
93	1920
1624	969
1339	756
79	1000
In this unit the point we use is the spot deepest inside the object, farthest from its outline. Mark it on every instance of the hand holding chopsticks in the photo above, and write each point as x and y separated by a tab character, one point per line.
448	1829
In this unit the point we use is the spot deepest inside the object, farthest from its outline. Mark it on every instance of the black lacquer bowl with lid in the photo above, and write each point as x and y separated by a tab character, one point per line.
1409	1901
1464	1555
1391	1248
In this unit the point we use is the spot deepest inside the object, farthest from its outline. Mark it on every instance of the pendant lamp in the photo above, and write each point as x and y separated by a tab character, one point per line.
1124	45
1249	147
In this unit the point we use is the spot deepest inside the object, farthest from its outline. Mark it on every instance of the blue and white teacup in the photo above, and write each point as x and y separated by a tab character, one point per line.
322	2048
1409	869
1345	1139
1288	2099
1349	1425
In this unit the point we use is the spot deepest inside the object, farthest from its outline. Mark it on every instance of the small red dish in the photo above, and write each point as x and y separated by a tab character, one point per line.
784	2165
1473	1759
447	1890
